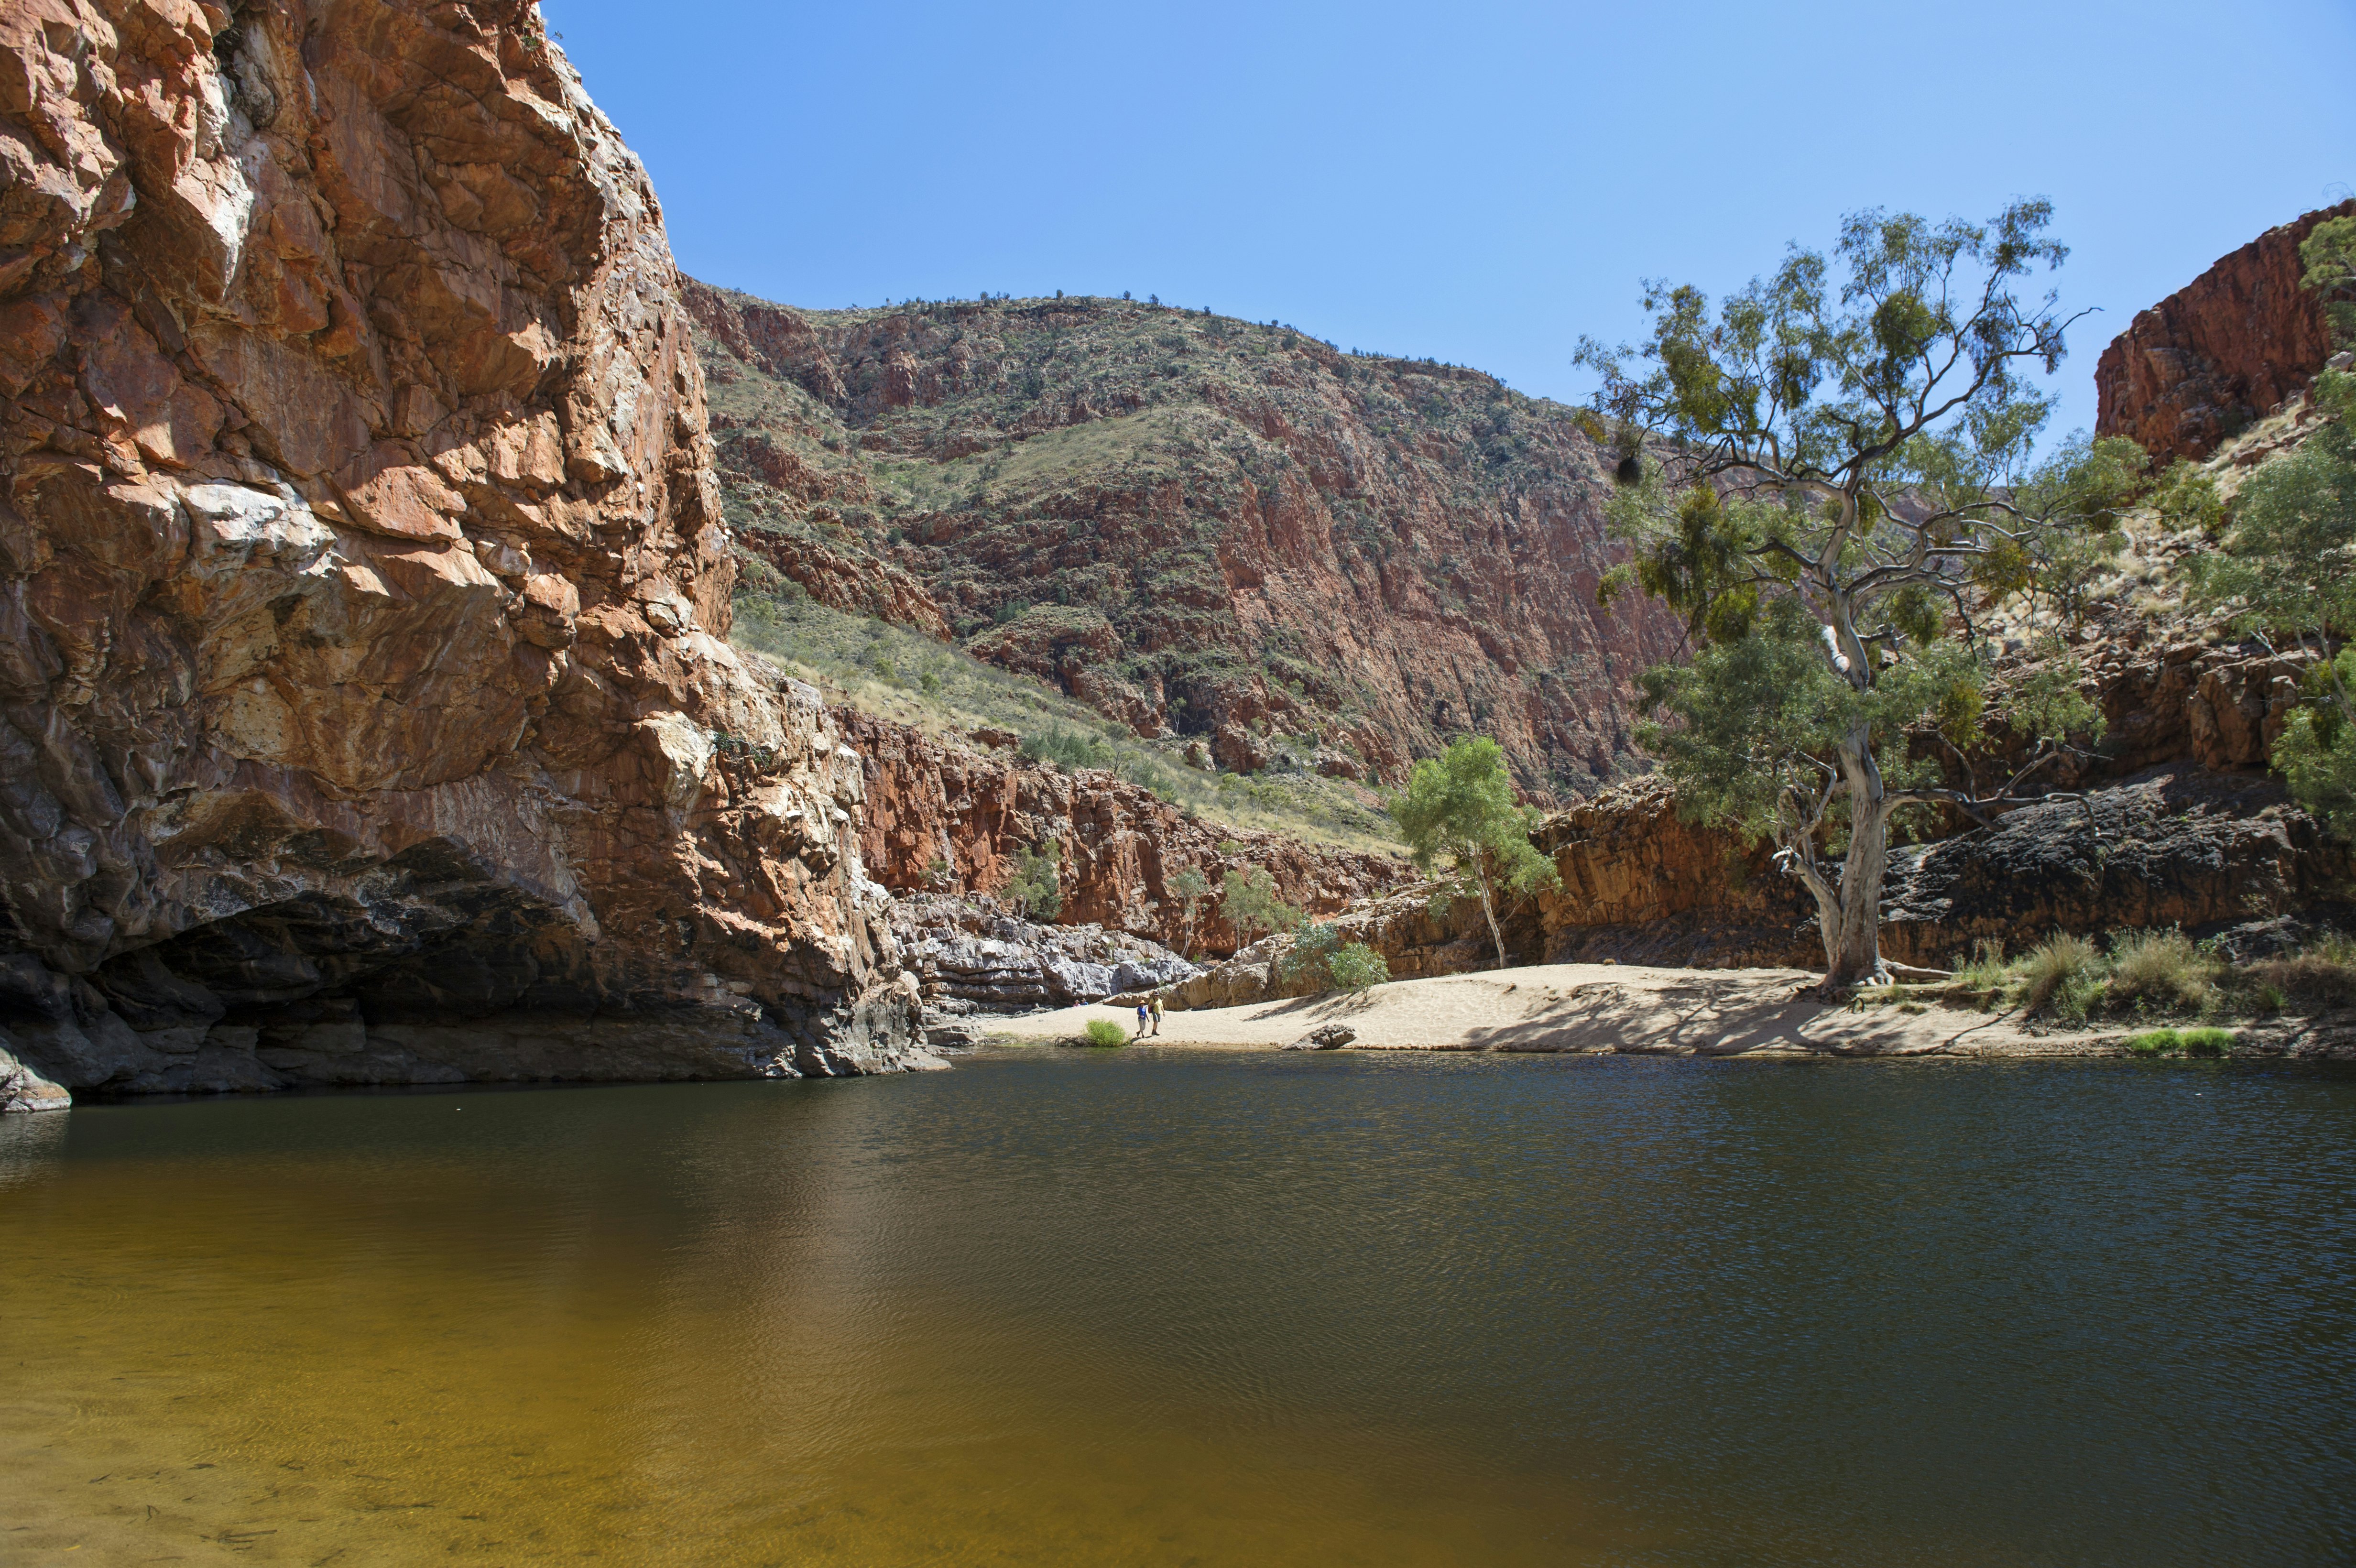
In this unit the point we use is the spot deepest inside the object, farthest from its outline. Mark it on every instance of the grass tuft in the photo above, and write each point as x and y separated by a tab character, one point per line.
2189	1042
2159	971
2061	979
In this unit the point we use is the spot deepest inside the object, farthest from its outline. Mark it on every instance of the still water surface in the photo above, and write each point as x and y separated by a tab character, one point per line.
1211	1309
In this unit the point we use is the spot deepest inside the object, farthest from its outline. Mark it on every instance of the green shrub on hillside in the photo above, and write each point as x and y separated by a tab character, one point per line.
1036	886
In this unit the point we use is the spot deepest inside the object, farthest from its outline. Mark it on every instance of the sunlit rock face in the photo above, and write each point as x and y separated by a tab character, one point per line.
366	712
2222	351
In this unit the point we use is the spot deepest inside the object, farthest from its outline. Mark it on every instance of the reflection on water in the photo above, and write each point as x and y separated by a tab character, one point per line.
1213	1309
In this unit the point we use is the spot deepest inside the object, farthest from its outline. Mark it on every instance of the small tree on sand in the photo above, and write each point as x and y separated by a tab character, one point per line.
1249	900
1848	480
1459	818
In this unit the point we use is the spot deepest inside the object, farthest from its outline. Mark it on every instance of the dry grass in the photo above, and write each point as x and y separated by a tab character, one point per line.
2322	976
907	678
2161	971
2060	978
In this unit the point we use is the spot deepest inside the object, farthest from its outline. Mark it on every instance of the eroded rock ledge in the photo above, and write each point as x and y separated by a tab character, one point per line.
366	712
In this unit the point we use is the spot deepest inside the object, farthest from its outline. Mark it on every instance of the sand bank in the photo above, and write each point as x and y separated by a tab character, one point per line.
1599	1007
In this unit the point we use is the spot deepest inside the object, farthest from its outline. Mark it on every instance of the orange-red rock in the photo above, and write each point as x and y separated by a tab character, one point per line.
931	803
2223	351
365	710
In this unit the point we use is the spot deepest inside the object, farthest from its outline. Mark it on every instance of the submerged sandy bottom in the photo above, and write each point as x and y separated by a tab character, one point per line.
1593	1008
1192	1308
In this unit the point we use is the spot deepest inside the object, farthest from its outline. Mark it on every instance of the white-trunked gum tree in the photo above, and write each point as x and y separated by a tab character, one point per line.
1835	478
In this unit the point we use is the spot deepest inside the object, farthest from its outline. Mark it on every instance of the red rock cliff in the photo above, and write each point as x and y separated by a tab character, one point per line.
365	707
1195	524
2220	352
932	802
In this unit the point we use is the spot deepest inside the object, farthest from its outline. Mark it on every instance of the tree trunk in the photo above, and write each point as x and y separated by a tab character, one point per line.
1853	947
1489	908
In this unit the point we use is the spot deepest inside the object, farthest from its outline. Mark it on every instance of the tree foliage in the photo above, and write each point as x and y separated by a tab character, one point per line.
2330	253
2287	564
1189	886
1249	900
1357	967
1037	886
1461	822
1848	483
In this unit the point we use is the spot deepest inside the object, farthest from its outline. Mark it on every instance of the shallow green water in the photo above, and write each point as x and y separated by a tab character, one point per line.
1218	1308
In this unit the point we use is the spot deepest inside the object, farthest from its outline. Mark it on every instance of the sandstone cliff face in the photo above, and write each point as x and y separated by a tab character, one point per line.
2220	352
969	811
365	710
1194	524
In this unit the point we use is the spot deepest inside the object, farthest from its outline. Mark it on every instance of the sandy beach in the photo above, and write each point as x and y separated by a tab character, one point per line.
1596	1008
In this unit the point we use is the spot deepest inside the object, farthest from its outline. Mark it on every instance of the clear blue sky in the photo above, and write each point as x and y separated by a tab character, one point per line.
1481	182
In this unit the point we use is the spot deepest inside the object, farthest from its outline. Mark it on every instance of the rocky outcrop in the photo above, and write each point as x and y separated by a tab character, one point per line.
2223	856
22	1089
948	816
1195	525
2219	353
366	713
972	958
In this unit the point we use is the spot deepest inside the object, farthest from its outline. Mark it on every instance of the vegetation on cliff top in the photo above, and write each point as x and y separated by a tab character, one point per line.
906	676
1196	526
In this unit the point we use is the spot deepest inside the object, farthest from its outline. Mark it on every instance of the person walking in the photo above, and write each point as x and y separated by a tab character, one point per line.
1144	1016
1155	1003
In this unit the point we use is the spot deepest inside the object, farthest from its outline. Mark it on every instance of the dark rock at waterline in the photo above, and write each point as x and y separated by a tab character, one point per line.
1331	1037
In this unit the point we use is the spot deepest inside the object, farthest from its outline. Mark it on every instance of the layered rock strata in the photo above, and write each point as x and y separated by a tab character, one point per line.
2219	353
366	713
949	816
973	959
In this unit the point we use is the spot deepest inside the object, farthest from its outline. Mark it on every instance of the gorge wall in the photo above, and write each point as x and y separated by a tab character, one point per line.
2220	352
366	711
947	816
1198	525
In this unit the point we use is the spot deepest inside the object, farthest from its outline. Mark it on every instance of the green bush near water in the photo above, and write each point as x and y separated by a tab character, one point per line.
2189	1042
1104	1031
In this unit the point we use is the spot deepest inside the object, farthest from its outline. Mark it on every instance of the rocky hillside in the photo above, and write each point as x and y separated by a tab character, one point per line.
1202	527
950	815
364	589
2213	358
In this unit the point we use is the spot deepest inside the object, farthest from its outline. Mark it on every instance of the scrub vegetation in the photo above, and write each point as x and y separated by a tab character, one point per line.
900	674
2159	974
